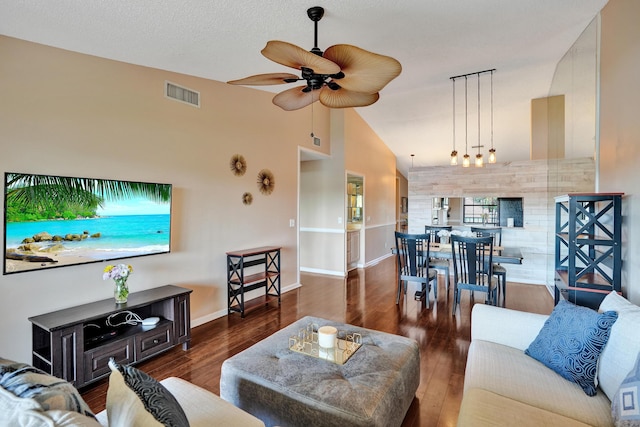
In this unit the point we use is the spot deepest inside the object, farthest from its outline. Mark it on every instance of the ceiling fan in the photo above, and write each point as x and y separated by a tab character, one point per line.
342	76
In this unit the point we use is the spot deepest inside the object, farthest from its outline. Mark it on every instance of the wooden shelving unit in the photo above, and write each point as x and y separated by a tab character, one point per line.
242	276
588	247
76	343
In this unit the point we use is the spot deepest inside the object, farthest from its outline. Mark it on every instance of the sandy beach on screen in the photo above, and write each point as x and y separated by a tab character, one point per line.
13	266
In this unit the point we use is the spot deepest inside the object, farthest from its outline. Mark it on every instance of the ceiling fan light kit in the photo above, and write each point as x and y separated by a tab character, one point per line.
342	76
466	160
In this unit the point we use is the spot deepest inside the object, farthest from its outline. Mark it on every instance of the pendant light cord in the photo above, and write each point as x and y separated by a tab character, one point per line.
454	114
492	109
466	116
478	113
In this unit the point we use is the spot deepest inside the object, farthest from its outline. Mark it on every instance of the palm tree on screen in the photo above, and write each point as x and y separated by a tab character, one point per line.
26	190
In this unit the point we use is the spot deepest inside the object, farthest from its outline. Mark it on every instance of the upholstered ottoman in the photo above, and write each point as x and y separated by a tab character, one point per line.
375	387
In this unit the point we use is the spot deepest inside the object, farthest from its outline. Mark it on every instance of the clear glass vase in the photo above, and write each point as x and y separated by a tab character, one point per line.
121	291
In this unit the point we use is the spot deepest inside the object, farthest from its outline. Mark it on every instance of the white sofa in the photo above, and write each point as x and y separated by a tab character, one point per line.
30	397
202	408
505	387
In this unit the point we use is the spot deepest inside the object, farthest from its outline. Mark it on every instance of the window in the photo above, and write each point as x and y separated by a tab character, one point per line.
480	210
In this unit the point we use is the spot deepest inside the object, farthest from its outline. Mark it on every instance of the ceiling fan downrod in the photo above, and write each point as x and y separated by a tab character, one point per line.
315	14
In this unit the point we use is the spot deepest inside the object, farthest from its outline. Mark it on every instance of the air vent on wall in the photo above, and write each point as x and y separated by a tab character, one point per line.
182	94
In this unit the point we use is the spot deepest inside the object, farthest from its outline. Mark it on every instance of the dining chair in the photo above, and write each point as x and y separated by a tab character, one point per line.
413	265
437	263
498	270
473	267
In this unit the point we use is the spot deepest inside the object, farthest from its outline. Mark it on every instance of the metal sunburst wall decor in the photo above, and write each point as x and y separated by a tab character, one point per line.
247	198
238	164
266	183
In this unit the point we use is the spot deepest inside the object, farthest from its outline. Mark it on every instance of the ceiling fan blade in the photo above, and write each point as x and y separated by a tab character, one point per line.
295	98
295	57
343	98
364	71
265	79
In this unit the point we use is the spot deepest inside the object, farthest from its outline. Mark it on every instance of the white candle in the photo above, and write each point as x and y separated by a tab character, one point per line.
327	336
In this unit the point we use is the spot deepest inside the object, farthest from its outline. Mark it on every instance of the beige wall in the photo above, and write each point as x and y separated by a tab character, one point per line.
322	214
356	149
71	114
620	126
547	128
367	155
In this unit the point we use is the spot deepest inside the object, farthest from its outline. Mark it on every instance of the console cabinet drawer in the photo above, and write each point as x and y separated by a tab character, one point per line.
153	341
96	361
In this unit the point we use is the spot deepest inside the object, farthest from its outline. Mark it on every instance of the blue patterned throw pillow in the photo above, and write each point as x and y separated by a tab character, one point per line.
570	343
134	398
625	407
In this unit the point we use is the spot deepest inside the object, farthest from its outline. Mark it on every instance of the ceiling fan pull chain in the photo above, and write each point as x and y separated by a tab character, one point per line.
311	95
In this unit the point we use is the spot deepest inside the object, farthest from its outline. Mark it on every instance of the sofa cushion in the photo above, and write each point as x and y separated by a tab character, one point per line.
619	355
482	408
26	412
570	342
20	411
625	407
134	398
71	419
203	408
507	371
50	392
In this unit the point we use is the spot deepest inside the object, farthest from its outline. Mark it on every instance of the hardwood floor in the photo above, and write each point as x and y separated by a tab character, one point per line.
366	298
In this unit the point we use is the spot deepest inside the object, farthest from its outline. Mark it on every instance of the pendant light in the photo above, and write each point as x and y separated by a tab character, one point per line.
492	151
465	159
479	159
454	153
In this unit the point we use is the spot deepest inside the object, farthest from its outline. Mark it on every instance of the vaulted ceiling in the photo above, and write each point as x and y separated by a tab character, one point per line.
433	40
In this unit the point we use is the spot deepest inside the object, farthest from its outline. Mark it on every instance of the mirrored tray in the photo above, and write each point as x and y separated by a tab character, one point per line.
306	342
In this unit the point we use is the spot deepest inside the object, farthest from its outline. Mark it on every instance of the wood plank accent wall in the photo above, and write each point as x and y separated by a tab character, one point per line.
538	182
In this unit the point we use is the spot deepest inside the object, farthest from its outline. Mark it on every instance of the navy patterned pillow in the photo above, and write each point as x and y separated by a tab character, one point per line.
570	343
135	398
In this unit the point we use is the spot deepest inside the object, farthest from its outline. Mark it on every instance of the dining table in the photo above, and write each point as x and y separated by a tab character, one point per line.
501	254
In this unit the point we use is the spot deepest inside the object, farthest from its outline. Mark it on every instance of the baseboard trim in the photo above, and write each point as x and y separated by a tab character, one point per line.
322	271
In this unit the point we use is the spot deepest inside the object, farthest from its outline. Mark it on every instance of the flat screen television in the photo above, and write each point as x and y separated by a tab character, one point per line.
55	221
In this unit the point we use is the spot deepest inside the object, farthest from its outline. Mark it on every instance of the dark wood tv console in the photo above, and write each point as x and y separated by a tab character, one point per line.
76	343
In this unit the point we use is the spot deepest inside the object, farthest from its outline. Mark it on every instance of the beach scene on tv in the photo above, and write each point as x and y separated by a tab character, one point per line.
53	221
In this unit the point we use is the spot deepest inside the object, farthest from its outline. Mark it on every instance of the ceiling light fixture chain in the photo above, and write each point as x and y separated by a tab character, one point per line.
492	152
